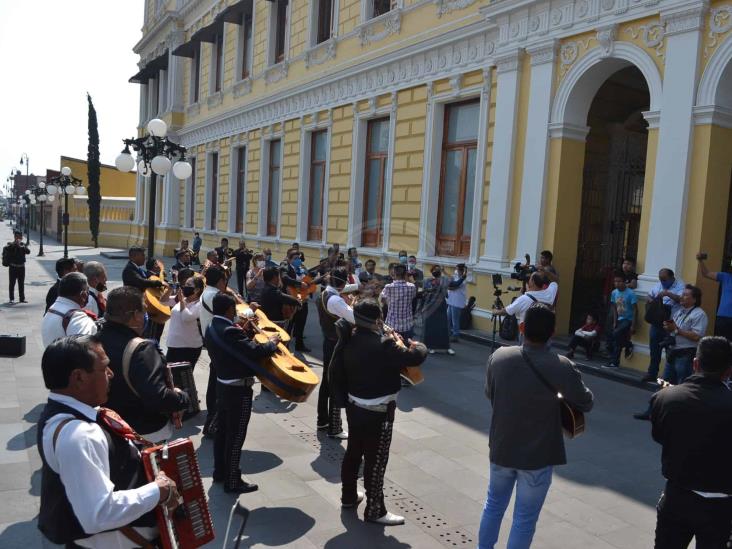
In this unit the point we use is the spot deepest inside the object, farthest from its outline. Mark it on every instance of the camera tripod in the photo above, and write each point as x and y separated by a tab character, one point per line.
497	320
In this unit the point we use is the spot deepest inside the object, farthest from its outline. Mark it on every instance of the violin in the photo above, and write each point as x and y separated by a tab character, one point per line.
412	374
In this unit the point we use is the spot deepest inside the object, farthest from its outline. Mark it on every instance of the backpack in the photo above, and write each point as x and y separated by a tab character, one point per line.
66	318
656	312
6	261
509	328
466	318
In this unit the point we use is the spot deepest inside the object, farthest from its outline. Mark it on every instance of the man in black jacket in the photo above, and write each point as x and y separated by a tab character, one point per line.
273	298
693	422
138	391
14	259
134	273
291	278
232	351
224	252
64	266
372	363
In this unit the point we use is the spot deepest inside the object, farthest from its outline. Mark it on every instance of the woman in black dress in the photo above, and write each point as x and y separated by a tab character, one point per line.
434	313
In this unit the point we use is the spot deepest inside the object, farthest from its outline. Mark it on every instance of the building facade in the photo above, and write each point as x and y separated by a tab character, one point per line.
458	130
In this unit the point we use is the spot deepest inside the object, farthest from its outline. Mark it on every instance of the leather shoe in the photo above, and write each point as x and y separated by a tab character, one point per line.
242	487
389	519
359	499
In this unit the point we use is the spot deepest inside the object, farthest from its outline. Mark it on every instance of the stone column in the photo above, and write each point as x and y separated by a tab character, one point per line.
496	253
673	160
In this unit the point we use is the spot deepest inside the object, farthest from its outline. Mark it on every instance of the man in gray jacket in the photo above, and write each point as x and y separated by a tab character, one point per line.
526	432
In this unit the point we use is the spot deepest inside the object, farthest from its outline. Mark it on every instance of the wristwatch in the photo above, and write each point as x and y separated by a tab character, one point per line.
675	332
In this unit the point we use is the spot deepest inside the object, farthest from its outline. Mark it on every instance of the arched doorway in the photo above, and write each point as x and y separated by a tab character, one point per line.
612	188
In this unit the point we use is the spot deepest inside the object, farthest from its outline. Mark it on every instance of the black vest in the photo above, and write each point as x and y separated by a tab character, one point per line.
327	319
56	519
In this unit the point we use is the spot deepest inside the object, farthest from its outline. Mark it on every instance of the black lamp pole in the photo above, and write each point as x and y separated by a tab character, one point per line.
62	182
148	148
40	240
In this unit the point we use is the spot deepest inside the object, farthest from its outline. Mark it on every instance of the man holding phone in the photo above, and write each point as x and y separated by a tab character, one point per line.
723	322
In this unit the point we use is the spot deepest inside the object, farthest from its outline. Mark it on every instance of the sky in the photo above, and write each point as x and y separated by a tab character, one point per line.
51	53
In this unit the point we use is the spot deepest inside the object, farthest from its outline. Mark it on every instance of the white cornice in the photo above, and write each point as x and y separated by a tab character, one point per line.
685	18
543	52
459	51
149	36
568	131
714	115
653	118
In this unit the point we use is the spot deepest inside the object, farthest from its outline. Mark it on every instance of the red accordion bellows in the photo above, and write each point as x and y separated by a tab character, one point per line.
190	525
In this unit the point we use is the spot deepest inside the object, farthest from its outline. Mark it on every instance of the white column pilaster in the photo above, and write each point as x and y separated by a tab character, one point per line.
536	151
673	159
139	190
496	253
152	106
175	73
143	105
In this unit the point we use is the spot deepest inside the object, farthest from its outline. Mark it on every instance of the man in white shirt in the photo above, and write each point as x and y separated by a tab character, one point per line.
79	502
331	307
67	315
537	291
96	276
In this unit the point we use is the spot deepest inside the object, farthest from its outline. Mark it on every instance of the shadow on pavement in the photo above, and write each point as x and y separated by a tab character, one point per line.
273	527
360	534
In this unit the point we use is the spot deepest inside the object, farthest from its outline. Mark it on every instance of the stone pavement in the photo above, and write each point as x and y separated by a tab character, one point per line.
437	473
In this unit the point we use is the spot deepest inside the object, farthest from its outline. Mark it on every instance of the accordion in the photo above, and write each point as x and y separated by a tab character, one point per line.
190	525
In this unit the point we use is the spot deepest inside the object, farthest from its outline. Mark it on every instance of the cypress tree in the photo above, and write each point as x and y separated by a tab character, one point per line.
95	197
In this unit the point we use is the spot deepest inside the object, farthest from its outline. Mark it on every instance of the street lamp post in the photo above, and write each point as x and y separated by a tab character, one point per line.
65	184
156	153
41	196
31	197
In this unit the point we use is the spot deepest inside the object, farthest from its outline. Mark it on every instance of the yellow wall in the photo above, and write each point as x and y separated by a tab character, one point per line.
339	186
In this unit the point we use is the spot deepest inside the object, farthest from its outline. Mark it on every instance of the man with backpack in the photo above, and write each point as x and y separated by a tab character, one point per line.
539	290
663	301
67	315
14	259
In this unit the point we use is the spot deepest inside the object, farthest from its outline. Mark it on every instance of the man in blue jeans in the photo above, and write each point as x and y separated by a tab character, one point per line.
625	313
526	439
457	298
668	290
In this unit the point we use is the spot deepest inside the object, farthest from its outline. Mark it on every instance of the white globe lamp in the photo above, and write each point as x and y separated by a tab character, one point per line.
52	189
157	127
66	171
161	164
182	169
124	162
80	189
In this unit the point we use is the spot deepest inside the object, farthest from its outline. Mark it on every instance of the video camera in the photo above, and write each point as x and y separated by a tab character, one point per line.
523	271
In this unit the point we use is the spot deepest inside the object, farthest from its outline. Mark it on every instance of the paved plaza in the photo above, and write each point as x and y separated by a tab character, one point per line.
438	469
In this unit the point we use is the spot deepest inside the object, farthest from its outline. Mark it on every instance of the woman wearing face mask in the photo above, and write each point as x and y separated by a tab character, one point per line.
434	313
255	282
184	335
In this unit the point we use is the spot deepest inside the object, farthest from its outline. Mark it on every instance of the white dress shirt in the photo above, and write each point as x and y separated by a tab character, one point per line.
91	304
183	328
458	297
81	459
338	307
52	326
523	302
207	297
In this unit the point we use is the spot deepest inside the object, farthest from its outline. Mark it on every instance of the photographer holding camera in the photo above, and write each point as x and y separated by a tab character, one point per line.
539	289
723	322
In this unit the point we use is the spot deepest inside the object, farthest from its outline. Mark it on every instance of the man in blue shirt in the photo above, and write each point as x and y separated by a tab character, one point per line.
669	290
723	322
625	312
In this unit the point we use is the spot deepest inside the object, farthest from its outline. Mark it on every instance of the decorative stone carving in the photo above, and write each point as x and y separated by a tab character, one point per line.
652	36
380	27
569	53
508	61
321	53
684	20
542	53
448	6
277	72
720	23
243	87
606	38
456	84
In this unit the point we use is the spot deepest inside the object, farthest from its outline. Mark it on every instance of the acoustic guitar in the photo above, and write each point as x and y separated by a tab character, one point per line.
156	310
289	377
412	374
264	324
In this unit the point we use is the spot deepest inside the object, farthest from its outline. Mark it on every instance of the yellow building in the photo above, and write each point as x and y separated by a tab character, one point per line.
459	130
117	209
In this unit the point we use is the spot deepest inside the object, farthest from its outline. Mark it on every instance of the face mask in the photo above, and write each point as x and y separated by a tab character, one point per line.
412	264
188	291
437	274
268	257
101	287
666	284
236	319
297	262
260	264
402	259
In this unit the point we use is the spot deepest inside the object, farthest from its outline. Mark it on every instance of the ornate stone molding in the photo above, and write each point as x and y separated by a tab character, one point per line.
383	75
193	110
653	118
568	131
606	37
652	36
277	72
569	53
321	53
544	52
380	27
508	61
456	83
243	87
215	99
448	6
720	23
684	19
714	115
